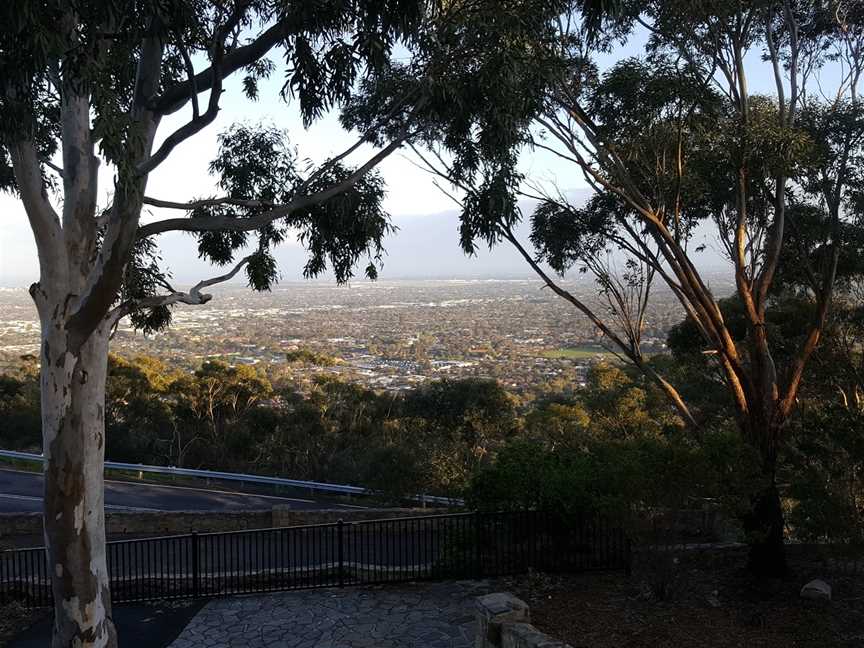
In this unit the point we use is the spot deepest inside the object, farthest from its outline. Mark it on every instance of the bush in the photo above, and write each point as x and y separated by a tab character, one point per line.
610	477
827	491
309	357
394	471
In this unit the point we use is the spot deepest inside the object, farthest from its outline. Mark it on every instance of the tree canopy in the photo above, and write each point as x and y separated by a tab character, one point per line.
671	141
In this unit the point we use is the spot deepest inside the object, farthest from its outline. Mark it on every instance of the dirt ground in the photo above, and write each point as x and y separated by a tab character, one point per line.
704	600
14	619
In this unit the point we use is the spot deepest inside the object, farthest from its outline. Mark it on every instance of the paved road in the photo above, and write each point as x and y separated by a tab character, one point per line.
22	492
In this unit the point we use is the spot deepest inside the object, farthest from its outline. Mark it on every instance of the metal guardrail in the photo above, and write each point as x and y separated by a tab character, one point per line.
240	477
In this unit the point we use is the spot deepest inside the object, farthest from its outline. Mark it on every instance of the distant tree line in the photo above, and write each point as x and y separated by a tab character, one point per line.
616	446
309	357
236	418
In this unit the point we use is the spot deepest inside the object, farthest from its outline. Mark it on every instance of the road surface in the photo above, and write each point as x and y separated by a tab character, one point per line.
22	492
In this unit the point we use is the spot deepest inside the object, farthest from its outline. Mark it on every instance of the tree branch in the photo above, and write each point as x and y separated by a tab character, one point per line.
48	163
201	224
106	275
176	96
44	220
209	202
198	121
190	74
193	297
634	356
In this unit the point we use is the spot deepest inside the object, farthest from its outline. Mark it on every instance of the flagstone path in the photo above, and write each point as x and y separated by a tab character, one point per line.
438	615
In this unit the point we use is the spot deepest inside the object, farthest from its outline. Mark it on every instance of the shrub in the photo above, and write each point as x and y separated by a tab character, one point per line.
610	477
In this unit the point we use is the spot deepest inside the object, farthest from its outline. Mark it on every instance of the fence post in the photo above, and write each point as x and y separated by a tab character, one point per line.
628	556
478	548
340	526
195	575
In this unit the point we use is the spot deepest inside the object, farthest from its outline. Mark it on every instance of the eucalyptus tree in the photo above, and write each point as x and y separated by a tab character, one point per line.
672	143
685	142
85	84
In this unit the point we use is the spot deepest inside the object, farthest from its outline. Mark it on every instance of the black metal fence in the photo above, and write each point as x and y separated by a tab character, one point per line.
463	545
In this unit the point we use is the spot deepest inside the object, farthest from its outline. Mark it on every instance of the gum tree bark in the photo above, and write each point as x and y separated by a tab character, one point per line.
73	370
73	397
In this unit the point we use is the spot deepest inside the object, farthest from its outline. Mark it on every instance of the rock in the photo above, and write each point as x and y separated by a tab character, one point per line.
493	610
816	590
645	593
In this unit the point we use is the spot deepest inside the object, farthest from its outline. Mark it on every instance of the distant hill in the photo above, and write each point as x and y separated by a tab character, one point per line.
424	247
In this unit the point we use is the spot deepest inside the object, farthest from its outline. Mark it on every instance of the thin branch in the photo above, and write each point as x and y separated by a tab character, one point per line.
365	137
193	297
635	358
176	96
190	75
775	64
193	126
210	202
48	163
245	224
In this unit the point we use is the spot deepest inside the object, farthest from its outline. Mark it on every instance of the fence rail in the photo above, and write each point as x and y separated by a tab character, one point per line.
343	489
462	545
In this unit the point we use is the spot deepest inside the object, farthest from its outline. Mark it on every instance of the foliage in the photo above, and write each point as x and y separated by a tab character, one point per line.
478	101
615	446
310	357
19	406
670	142
827	492
137	411
612	477
234	418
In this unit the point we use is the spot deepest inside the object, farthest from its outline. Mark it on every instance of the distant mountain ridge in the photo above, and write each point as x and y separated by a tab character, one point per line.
424	247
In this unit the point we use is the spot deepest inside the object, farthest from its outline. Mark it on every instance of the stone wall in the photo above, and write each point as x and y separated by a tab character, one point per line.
504	621
284	516
20	524
122	523
17	526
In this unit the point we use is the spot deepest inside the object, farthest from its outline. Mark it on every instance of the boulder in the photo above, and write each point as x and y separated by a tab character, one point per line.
816	590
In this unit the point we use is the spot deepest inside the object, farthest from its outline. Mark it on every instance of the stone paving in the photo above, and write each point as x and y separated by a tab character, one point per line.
439	615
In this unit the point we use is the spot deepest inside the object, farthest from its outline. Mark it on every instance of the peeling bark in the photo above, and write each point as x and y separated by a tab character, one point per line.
73	428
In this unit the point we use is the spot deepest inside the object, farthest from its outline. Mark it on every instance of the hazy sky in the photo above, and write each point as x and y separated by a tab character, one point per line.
425	246
412	200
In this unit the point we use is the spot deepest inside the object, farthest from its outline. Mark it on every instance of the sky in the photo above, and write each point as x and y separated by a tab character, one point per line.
425	245
419	209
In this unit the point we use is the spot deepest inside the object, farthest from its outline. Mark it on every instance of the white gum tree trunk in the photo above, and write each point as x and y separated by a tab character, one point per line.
73	429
